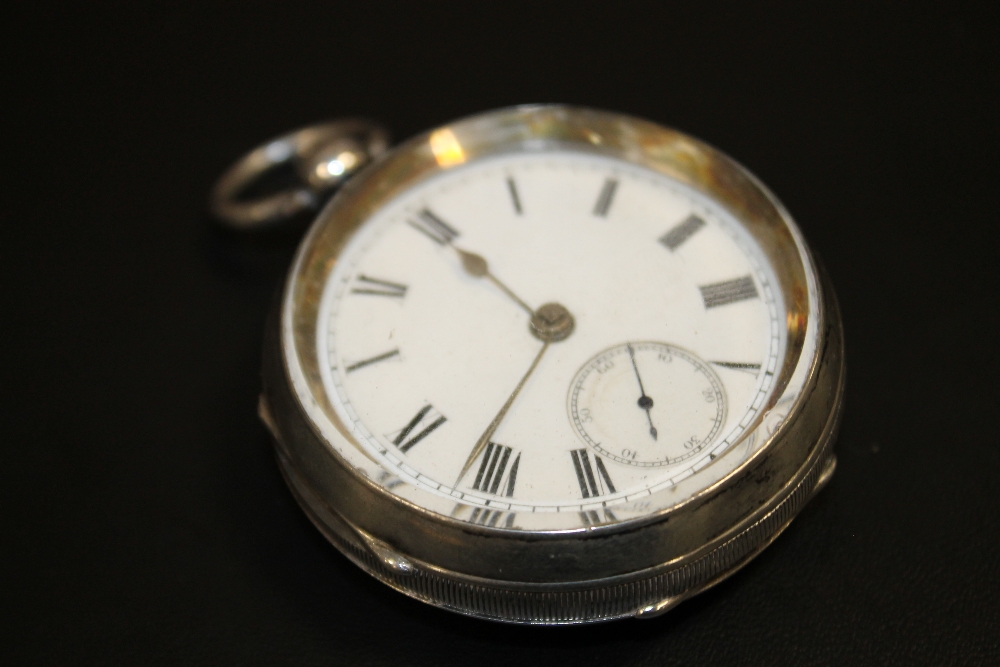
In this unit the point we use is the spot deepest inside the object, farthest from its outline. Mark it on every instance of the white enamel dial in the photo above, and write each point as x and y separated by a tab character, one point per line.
429	360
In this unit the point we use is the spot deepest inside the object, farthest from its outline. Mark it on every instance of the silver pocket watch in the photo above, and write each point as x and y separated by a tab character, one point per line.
546	364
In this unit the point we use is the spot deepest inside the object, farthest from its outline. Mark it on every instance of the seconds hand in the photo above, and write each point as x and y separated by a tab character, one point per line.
645	402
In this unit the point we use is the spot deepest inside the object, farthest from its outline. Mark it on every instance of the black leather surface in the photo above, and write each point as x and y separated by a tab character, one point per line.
144	518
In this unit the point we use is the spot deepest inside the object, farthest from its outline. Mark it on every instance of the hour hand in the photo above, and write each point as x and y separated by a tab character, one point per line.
433	227
476	266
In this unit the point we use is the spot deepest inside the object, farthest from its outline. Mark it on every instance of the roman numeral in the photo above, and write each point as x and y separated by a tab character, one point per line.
433	416
729	291
378	287
512	188
388	480
593	517
738	366
367	362
488	517
681	232
491	471
433	227
605	198
591	485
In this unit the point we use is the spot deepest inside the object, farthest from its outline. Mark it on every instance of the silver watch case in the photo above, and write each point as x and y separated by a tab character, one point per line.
638	566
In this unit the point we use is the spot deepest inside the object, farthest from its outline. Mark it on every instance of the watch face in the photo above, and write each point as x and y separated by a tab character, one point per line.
548	332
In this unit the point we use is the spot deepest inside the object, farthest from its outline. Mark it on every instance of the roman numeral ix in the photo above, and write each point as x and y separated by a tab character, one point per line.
591	485
409	435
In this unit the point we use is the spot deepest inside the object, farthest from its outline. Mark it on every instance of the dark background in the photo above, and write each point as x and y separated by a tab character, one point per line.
143	517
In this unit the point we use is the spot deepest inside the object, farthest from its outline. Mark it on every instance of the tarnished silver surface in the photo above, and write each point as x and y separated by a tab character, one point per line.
637	566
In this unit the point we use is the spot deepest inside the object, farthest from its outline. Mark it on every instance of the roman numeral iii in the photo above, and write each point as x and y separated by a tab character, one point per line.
427	419
728	291
591	485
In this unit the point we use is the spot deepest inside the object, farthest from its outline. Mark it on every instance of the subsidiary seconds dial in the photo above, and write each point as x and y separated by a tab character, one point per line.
647	404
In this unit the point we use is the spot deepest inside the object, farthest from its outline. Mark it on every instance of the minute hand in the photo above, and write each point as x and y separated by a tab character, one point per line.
551	322
491	429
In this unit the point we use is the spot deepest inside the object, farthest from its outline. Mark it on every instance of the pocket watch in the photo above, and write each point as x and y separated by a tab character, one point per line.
546	364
